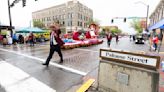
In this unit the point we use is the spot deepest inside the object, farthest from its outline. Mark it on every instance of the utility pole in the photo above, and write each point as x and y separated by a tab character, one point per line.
147	17
10	20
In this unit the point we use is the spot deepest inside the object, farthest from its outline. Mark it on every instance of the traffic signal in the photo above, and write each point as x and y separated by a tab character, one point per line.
112	21
24	3
124	19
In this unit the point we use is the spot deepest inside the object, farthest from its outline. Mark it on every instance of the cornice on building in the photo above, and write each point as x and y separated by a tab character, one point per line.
48	8
61	5
157	7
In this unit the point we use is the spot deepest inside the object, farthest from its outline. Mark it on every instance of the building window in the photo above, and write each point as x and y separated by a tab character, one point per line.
59	16
68	15
86	18
71	15
56	17
64	16
69	23
77	23
78	16
49	18
63	23
81	17
53	17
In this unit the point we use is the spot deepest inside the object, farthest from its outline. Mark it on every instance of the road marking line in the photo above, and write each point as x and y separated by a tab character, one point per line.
86	85
13	79
42	61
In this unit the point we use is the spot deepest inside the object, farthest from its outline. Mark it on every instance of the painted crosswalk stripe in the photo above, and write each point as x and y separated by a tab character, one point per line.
13	79
42	60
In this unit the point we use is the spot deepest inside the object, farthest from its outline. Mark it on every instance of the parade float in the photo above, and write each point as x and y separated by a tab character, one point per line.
79	39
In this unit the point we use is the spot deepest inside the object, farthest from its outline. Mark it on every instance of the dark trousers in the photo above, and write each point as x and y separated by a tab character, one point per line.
54	48
155	46
31	42
109	42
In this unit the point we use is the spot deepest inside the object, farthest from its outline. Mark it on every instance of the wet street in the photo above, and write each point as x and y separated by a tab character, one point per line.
18	61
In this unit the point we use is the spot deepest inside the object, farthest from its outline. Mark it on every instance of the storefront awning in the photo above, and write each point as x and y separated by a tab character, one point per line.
157	25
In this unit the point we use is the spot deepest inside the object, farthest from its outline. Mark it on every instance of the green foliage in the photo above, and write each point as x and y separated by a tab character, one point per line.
102	33
63	30
3	33
106	28
114	31
136	25
93	21
38	24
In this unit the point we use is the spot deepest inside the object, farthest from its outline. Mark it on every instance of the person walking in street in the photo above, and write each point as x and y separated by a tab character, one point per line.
15	39
55	44
31	39
21	39
9	40
130	36
117	39
134	37
155	42
109	38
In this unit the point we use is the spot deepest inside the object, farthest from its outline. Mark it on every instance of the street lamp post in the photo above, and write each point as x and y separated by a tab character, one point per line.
147	14
10	20
147	17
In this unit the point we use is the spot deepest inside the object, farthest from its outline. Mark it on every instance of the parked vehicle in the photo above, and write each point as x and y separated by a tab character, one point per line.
139	40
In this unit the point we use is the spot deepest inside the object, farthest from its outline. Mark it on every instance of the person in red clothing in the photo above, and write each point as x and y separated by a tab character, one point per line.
31	39
155	42
92	31
117	37
76	35
109	38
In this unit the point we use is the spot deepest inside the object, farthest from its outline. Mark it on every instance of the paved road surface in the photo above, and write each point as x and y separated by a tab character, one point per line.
77	63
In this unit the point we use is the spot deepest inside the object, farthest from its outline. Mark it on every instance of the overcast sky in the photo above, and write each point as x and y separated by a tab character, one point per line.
103	10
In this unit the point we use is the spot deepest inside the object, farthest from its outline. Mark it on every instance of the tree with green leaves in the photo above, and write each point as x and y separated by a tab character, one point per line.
136	25
93	21
116	31
38	24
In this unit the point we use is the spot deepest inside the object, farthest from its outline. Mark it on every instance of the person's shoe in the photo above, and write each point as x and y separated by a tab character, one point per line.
61	62
45	64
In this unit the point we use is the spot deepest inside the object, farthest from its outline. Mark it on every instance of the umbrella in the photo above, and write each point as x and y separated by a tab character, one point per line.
161	27
30	29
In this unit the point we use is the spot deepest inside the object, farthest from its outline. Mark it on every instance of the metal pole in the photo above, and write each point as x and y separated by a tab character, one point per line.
10	20
147	17
71	23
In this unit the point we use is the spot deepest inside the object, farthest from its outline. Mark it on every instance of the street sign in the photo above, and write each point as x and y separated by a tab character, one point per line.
140	60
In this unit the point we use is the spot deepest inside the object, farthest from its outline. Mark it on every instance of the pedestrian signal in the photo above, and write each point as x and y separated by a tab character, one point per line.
124	19
24	3
112	21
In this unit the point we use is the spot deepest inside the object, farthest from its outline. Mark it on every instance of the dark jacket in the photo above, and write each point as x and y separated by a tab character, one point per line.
58	39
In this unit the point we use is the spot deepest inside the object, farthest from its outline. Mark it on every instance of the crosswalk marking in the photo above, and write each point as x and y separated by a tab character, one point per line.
13	79
42	60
